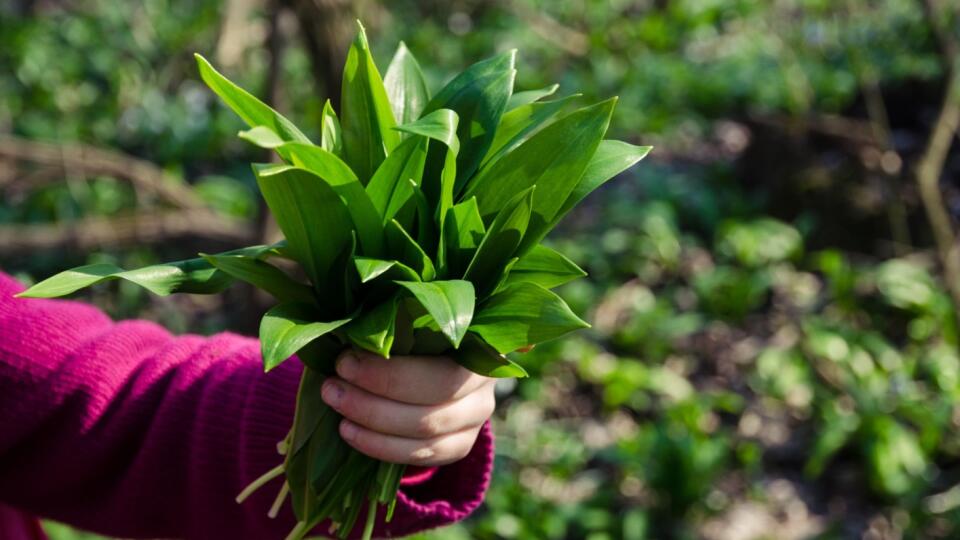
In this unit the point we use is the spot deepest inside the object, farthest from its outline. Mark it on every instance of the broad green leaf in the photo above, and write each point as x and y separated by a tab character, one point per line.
253	111
366	219
463	231
405	249
483	359
611	158
289	327
389	189
519	99
370	269
366	117
313	218
517	125
374	329
545	267
479	96
330	136
501	241
195	276
521	315
554	159
449	302
440	125
405	85
262	136
262	275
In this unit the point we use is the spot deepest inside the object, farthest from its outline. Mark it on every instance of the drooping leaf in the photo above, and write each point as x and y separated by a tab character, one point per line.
554	159
262	275
521	315
545	267
517	125
449	302
483	359
440	125
519	99
463	231
405	85
389	189
370	269
313	218
374	329
366	117
610	159
364	215
253	111
479	96
195	276
289	327
500	242
331	138
405	249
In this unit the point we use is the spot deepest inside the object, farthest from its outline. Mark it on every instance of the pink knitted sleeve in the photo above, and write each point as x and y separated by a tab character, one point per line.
122	429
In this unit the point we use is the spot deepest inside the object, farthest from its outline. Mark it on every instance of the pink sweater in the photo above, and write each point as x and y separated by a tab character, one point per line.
123	429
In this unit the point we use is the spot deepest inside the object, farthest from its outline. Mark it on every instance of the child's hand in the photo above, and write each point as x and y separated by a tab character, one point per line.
418	410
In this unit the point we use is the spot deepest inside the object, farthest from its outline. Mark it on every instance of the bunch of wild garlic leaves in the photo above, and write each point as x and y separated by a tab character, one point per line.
417	221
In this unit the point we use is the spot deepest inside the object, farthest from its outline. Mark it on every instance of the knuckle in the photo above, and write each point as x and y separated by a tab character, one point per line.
431	425
424	454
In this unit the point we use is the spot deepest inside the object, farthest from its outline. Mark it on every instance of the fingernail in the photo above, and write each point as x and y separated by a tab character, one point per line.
348	366
347	430
332	393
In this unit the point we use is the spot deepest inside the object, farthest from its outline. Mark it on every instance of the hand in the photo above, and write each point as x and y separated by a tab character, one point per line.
417	410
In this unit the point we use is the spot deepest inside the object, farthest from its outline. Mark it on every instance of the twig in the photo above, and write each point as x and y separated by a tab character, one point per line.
142	227
89	160
930	166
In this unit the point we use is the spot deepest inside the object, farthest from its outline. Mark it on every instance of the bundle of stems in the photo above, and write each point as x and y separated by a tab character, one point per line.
417	223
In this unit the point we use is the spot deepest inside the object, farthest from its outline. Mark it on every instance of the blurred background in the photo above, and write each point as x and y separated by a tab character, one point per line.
773	292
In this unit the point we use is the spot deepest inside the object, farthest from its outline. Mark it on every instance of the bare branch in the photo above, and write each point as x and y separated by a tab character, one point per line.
140	228
89	160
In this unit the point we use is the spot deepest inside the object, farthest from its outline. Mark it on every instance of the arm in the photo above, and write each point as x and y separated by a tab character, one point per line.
124	429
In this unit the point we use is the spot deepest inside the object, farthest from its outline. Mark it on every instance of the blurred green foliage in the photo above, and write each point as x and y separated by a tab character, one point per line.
735	376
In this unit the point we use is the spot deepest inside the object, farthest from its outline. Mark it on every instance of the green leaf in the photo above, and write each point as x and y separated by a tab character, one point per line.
253	111
479	96
545	267
610	159
517	125
440	125
370	269
520	99
521	315
367	119
483	359
314	220
389	188
449	302
364	215
405	85
289	327
554	159
195	276
262	275
406	249
374	329
463	231
500	243
262	136
331	138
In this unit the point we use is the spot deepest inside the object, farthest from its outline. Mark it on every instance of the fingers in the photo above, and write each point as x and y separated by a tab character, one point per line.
407	420
429	453
419	380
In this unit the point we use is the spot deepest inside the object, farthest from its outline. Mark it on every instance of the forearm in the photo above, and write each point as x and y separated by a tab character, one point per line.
124	429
